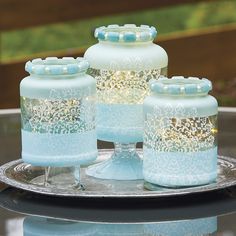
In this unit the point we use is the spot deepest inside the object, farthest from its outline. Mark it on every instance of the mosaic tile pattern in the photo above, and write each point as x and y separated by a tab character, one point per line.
123	87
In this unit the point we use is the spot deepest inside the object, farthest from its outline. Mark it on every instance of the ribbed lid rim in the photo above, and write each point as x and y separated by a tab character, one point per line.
178	85
57	66
126	33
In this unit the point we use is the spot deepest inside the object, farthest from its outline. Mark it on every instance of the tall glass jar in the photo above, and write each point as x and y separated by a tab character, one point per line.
58	117
180	133
122	63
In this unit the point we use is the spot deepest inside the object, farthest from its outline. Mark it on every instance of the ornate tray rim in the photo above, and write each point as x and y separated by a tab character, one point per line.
90	194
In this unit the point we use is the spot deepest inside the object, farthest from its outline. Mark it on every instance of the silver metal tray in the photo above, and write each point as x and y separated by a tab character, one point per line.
21	175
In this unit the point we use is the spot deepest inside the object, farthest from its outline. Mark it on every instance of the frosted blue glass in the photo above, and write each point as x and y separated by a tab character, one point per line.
58	113
56	131
122	62
180	133
58	149
180	169
125	164
58	118
120	122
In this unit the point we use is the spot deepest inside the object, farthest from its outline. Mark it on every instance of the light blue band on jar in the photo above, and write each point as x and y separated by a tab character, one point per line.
57	66
113	36
129	37
178	85
126	33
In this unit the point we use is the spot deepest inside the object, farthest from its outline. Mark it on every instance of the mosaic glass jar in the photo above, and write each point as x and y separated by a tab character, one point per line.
58	115
180	133
122	63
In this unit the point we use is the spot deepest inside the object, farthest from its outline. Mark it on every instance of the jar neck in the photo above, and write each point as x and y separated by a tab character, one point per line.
57	77
125	44
177	96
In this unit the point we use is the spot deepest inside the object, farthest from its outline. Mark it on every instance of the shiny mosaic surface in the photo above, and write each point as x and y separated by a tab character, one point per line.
166	134
180	148
59	131
123	87
56	116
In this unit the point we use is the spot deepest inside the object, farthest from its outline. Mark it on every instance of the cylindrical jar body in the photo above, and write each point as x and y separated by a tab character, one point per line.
180	142
122	70
58	115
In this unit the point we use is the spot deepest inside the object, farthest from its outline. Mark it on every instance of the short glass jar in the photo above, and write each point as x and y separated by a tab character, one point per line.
180	133
122	63
58	117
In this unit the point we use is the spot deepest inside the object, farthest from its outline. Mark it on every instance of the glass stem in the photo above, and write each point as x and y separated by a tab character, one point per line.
128	149
46	175
62	177
77	174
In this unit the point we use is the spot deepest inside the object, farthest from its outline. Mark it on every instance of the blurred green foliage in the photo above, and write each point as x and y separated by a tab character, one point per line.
21	43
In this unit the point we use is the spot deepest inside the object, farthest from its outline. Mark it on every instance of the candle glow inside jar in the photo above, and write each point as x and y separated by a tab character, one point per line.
180	133
122	63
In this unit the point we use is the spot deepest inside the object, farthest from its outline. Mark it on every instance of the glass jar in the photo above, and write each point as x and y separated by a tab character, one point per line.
122	63
58	117
180	133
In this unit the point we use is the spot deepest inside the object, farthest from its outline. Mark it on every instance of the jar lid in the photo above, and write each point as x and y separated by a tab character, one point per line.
126	33
57	66
178	85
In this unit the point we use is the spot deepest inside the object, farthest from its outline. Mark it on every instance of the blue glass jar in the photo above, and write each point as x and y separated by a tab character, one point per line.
122	62
58	113
180	133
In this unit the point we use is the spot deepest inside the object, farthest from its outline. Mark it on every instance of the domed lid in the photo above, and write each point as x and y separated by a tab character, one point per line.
126	33
57	66
178	85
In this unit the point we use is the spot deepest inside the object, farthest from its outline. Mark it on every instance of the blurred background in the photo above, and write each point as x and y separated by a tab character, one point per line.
199	36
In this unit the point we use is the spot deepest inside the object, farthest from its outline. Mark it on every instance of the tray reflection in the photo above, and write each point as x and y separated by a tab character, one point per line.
44	226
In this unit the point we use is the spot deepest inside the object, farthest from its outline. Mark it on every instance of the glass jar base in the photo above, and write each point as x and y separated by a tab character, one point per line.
60	178
156	187
124	164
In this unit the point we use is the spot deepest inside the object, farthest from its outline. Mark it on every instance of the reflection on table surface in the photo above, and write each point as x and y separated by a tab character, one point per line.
197	215
210	214
35	226
43	226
